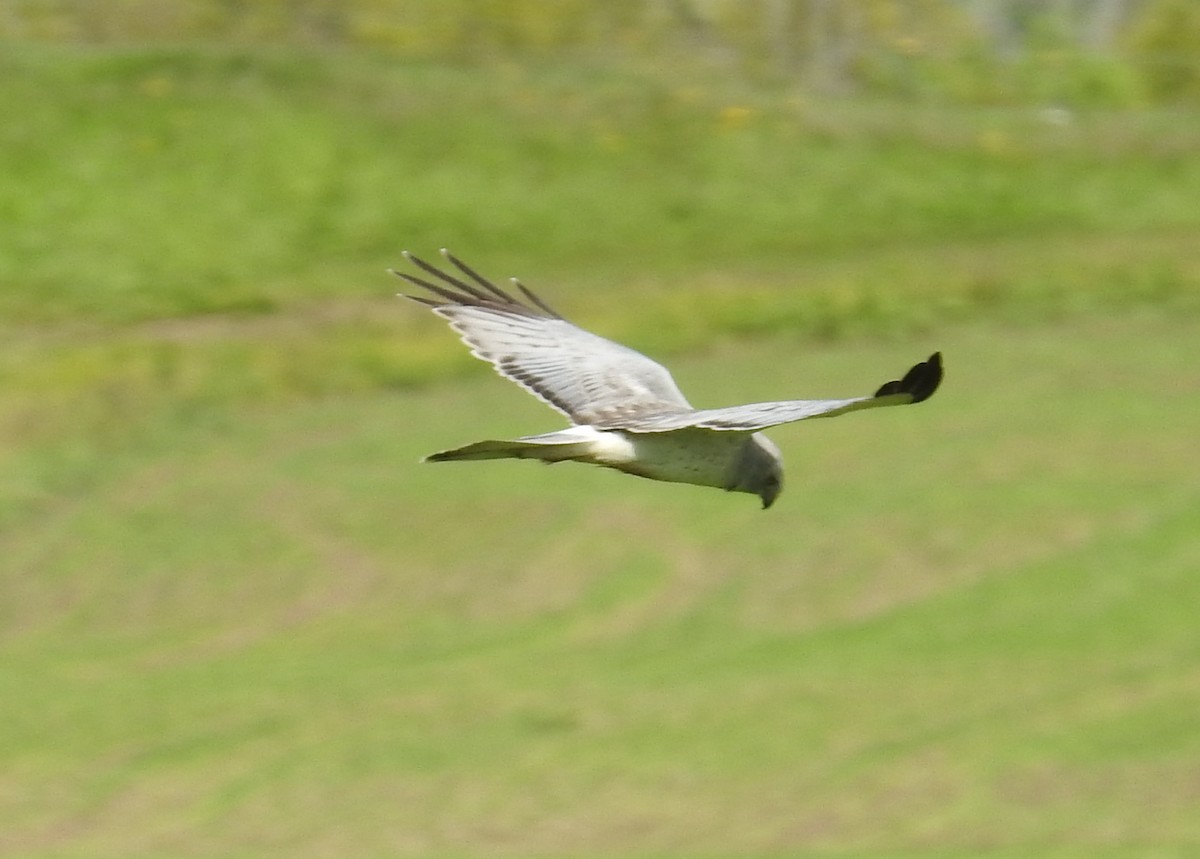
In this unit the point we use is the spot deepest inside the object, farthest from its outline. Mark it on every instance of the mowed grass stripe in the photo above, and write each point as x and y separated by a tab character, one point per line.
964	626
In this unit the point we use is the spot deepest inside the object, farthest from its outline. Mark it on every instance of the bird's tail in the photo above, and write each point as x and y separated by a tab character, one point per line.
551	447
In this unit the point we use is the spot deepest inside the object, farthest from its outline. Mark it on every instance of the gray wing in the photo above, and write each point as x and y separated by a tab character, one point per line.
918	384
588	378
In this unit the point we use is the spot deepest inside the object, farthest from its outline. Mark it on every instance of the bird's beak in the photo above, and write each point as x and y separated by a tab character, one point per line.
768	498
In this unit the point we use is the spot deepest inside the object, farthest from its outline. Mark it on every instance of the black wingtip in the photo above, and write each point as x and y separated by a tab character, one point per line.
920	382
451	290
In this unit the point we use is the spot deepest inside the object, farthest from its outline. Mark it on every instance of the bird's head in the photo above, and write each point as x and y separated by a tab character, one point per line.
759	469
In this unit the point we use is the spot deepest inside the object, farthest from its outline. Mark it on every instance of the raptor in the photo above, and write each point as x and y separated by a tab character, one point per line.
626	411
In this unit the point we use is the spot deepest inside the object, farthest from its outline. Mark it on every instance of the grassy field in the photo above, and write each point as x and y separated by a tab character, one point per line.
238	619
965	628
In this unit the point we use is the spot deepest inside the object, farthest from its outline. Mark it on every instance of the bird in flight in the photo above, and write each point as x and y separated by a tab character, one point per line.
626	411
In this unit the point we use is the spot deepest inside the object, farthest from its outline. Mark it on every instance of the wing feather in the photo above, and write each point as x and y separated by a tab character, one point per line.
586	377
917	385
598	382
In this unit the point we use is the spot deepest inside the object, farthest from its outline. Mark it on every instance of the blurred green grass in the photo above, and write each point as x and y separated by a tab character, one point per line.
152	184
237	619
968	628
193	226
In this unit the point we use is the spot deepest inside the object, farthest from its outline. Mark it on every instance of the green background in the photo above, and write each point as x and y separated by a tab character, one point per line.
239	619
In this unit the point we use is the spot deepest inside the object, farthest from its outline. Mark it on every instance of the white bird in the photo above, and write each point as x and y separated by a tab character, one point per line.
625	409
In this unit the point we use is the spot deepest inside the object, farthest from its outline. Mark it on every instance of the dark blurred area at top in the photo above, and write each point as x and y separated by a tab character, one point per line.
1113	53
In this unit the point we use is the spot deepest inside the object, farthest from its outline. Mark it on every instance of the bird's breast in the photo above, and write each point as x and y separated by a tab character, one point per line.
698	456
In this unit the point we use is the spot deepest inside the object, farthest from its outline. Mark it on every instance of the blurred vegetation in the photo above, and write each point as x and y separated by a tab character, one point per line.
236	619
205	224
1115	52
966	628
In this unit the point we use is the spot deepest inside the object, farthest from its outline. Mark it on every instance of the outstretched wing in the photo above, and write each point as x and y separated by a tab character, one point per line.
918	384
588	378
